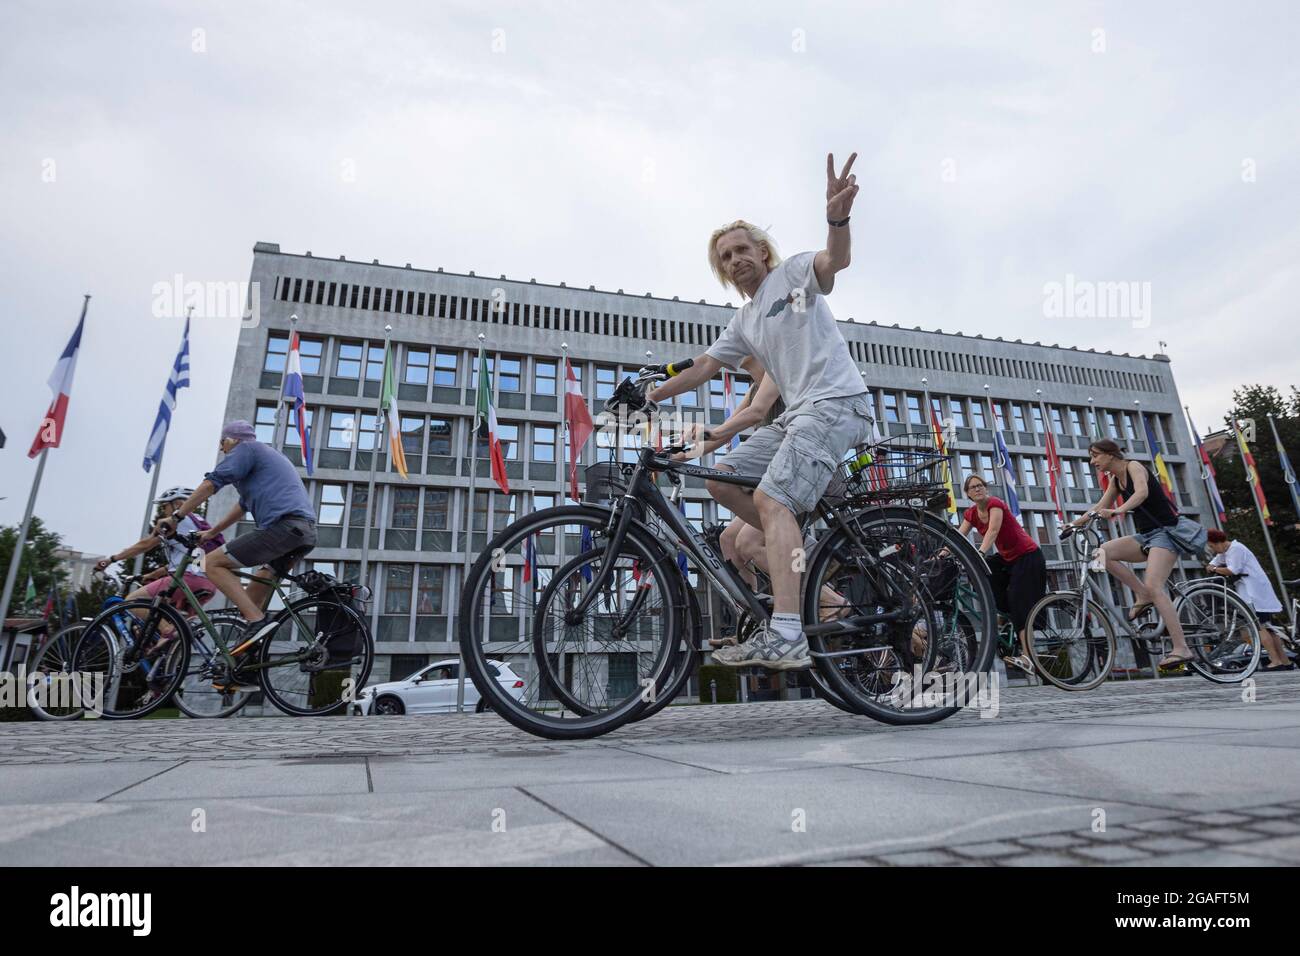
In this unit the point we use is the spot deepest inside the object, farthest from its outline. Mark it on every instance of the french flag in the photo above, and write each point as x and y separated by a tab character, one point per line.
50	434
293	389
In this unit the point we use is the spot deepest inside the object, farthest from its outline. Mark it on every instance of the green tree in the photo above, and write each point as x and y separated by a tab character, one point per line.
1257	402
38	561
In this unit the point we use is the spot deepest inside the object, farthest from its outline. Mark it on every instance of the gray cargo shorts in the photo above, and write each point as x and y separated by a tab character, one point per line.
279	545
797	456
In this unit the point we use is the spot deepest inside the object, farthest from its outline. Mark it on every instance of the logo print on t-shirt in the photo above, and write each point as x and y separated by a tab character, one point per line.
779	306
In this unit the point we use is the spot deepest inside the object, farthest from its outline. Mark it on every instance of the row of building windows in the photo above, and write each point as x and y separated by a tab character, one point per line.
560	319
938	360
497	310
420	365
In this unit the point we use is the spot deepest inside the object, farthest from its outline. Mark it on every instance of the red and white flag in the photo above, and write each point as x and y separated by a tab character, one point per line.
580	425
485	425
1054	469
50	434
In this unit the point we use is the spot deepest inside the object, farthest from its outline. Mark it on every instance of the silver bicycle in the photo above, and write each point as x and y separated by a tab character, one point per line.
1072	633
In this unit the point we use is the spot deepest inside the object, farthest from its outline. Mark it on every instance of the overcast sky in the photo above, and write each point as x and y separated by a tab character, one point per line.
1002	147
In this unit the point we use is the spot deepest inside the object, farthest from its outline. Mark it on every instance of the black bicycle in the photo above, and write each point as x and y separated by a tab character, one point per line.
595	612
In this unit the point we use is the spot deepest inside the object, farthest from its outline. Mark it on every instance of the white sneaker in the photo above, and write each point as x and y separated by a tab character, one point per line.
766	649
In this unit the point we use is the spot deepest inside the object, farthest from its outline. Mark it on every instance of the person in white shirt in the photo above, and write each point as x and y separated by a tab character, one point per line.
1233	557
787	326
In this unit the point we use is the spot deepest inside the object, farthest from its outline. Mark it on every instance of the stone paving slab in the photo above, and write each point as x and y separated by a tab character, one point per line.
1191	773
215	779
453	829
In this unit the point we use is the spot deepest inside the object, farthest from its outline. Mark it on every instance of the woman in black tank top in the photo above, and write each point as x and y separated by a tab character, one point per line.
1153	511
1162	536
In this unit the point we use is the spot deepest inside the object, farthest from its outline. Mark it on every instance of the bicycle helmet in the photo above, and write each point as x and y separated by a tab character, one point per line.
173	494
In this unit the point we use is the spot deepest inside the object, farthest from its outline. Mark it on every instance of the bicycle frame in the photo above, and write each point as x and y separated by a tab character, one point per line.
643	492
178	582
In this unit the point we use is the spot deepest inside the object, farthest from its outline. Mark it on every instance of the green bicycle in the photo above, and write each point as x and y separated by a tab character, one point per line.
313	661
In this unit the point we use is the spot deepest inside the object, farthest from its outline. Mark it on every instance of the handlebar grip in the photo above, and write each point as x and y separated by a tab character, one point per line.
676	368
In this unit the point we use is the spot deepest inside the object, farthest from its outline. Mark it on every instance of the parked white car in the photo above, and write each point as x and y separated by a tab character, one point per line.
432	690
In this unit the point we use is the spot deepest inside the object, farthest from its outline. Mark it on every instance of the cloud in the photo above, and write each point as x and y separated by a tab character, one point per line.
600	144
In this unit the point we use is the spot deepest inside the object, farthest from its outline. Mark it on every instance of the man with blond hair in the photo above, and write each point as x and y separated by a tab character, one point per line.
788	327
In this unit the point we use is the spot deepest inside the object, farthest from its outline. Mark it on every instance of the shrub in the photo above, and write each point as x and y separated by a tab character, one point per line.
728	684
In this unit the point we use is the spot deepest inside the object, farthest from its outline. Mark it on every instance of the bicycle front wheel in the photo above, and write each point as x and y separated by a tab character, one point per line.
129	666
586	672
1071	641
1221	632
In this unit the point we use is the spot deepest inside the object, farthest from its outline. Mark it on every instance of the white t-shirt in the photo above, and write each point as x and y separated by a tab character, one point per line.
789	328
1255	587
176	551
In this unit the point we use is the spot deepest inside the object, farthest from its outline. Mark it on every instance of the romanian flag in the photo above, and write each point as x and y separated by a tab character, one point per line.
1158	459
1252	473
388	403
485	424
943	450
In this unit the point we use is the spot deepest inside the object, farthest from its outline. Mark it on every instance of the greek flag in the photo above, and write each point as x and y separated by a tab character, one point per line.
179	378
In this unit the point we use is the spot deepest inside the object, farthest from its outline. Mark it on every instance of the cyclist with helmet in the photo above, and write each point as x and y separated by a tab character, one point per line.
160	579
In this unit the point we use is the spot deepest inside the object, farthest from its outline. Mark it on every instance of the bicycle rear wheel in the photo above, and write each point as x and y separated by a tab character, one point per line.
50	692
317	659
131	668
1221	632
583	675
924	664
1071	641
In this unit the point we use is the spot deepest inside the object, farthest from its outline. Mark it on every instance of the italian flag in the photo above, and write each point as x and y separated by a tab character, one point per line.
388	404
485	424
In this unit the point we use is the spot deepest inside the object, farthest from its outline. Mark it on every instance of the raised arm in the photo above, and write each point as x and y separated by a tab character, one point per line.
840	193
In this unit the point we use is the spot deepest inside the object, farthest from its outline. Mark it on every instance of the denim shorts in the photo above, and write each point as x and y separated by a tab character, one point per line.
798	454
1186	537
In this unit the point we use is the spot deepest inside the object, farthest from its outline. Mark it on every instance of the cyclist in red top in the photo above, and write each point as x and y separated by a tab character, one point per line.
1019	570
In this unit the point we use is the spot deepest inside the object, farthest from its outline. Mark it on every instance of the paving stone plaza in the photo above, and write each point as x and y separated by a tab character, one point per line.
1165	773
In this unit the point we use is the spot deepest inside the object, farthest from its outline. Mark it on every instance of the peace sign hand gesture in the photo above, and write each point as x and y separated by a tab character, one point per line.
840	190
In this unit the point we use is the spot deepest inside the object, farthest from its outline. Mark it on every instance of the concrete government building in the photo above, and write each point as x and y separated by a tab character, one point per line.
419	536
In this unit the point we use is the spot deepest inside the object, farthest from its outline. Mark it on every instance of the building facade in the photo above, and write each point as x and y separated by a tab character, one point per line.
425	528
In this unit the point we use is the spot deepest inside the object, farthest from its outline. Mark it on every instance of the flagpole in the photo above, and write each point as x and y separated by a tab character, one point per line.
147	524
1268	538
469	529
281	416
993	421
1058	502
1205	471
21	541
374	463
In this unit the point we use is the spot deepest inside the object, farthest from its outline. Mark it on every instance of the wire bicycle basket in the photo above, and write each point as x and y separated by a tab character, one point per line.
905	467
